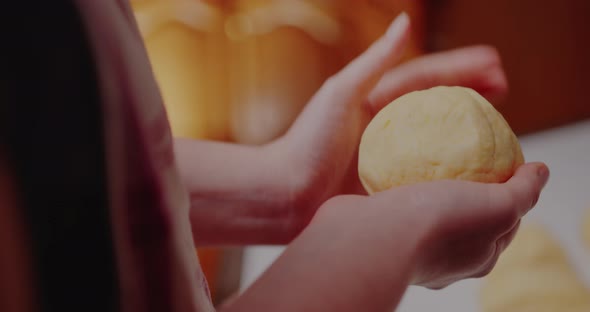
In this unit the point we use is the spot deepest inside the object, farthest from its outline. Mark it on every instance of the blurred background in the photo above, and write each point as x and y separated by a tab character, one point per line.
242	70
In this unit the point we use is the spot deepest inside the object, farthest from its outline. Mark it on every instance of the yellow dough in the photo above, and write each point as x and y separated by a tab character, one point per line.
435	134
534	274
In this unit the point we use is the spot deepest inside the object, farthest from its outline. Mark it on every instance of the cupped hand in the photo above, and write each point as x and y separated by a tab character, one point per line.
466	225
321	147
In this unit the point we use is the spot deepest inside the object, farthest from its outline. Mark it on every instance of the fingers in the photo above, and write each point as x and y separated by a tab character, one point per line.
499	246
334	118
477	67
501	201
504	241
360	76
524	188
353	83
508	202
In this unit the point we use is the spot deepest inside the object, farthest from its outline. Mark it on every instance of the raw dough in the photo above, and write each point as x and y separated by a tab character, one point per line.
534	274
434	134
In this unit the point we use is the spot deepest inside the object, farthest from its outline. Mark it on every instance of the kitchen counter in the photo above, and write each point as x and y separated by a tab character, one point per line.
566	150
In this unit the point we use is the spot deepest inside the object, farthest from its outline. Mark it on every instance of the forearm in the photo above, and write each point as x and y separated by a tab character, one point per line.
239	194
339	266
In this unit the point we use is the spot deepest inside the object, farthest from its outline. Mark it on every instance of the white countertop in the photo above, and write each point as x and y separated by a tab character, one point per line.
566	197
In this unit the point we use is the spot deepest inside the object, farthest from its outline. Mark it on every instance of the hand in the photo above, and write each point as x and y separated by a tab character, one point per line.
468	224
321	146
268	194
359	253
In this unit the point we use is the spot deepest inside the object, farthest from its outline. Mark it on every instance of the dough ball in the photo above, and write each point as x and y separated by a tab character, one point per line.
435	134
534	274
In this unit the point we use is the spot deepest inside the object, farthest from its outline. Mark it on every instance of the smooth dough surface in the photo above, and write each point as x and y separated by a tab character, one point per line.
434	134
534	274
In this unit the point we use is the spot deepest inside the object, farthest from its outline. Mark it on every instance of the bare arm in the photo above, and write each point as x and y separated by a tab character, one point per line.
245	194
239	194
339	265
266	195
361	252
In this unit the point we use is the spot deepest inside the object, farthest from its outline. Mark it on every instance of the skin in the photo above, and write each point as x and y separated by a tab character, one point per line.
269	193
303	190
430	234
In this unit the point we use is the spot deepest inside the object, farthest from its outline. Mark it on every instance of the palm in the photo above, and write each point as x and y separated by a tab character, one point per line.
323	142
330	127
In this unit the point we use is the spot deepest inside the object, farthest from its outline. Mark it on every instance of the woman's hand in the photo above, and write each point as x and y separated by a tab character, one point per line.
321	147
468	224
266	195
359	253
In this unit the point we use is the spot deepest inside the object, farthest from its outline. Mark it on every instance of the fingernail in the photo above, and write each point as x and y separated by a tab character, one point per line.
398	25
543	174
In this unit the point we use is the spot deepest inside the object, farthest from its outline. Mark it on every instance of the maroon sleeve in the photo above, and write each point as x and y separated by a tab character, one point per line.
157	261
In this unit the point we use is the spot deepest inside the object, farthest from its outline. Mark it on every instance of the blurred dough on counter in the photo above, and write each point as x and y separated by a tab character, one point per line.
435	134
534	275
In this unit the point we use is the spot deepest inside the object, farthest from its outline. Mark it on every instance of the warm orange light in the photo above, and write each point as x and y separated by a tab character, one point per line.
242	70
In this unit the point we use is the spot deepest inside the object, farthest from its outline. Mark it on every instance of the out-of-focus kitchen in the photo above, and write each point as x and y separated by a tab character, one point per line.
242	70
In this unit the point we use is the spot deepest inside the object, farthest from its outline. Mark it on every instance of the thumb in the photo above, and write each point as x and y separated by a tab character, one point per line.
524	188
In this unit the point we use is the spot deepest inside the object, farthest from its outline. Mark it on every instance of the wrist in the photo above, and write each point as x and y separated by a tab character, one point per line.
239	194
377	245
301	196
413	224
391	230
